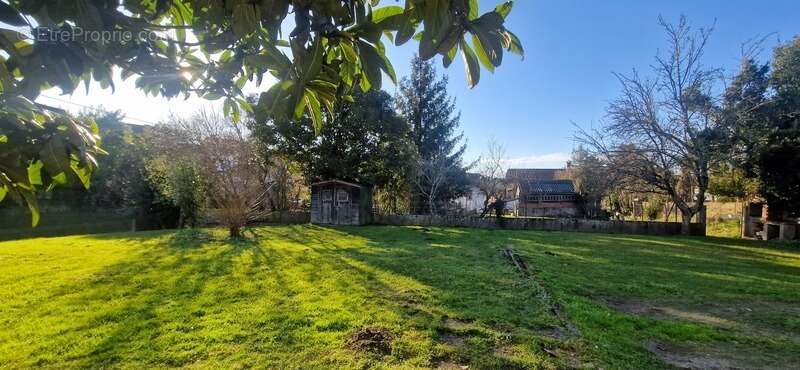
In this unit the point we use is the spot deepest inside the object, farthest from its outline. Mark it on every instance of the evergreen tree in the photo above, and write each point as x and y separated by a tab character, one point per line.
780	154
366	142
433	119
761	119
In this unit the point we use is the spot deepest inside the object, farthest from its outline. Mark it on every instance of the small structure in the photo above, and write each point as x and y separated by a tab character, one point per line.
759	222
472	201
544	192
336	202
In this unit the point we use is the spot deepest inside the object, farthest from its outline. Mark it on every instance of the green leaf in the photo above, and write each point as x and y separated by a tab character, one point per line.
35	173
11	16
60	179
314	64
314	110
33	206
349	53
473	9
3	192
512	44
245	105
481	53
471	67
504	9
3	139
54	156
212	95
381	14
450	56
372	59
84	173
487	29
405	33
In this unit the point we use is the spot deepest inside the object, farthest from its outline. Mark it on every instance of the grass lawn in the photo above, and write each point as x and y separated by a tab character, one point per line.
298	296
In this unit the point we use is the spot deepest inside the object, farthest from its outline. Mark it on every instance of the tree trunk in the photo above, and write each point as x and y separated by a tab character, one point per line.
686	222
235	231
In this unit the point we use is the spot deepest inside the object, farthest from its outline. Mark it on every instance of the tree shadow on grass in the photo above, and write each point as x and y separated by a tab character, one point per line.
469	280
148	309
468	290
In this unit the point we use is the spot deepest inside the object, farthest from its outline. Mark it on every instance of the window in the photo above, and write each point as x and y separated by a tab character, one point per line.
342	196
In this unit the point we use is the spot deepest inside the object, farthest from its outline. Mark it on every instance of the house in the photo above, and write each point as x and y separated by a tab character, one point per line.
544	192
337	202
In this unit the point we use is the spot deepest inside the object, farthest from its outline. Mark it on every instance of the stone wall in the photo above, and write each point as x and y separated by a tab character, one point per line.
554	224
286	217
549	209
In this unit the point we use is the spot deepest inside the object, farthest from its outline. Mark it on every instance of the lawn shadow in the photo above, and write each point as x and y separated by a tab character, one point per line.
143	311
466	280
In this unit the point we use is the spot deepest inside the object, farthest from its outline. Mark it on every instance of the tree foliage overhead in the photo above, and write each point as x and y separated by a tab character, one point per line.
40	149
212	48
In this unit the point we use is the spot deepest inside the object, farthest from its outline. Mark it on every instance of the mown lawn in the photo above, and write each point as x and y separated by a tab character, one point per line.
293	297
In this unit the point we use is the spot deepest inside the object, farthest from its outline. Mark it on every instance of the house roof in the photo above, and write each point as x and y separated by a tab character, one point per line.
536	174
335	181
547	187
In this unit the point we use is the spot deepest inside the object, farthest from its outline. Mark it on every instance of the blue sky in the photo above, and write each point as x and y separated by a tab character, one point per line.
572	48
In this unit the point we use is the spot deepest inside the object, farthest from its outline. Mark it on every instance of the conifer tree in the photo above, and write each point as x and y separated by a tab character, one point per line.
431	113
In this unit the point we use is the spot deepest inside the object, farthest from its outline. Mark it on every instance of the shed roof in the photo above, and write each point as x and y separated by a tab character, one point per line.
335	181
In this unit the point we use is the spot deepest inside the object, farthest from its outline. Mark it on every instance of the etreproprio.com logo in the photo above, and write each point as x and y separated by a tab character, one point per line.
77	34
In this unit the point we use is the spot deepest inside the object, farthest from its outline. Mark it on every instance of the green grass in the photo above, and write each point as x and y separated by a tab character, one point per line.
724	229
289	297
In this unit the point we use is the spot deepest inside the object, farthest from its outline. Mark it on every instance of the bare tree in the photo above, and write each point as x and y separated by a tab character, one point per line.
430	177
492	183
227	158
659	132
593	181
285	184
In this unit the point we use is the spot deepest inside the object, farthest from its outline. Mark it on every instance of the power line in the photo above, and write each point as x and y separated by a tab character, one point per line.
97	109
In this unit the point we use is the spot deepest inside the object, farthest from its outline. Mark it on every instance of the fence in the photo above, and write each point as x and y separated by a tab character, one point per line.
554	224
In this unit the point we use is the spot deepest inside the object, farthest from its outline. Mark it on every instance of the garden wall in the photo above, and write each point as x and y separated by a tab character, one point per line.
286	217
15	222
554	224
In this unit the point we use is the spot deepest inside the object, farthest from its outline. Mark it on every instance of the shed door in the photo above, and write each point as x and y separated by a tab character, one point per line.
342	207
327	206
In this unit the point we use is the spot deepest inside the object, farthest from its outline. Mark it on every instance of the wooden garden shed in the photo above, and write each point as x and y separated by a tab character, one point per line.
337	202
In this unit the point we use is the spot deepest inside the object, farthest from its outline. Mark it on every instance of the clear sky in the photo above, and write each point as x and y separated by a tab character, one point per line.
572	48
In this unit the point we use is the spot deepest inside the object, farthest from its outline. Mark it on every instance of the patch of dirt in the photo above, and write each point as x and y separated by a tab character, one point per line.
569	358
555	333
505	351
374	340
451	339
451	366
710	357
666	312
745	317
456	324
